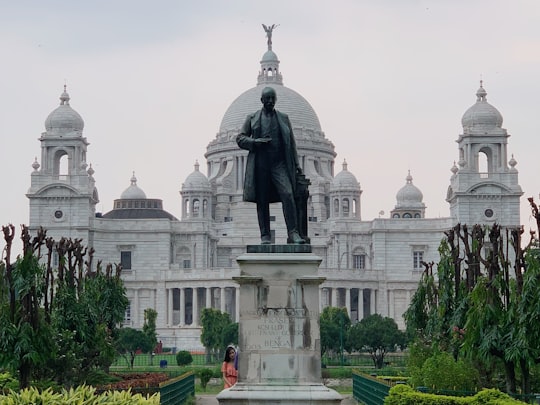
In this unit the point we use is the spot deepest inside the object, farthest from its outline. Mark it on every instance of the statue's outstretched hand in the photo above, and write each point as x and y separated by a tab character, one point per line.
262	141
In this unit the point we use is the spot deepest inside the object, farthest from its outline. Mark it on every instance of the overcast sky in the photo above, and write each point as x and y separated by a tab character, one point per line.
389	80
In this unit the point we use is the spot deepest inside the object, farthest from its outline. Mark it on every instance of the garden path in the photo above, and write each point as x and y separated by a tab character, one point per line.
211	400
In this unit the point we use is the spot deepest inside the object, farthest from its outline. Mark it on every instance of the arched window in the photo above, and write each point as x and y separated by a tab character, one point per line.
61	164
327	207
484	162
345	203
407	215
205	208
196	207
336	207
396	215
317	166
186	208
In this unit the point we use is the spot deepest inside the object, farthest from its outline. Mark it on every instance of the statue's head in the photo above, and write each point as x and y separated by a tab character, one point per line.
268	98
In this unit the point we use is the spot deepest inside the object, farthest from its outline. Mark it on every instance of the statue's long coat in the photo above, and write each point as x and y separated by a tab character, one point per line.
252	130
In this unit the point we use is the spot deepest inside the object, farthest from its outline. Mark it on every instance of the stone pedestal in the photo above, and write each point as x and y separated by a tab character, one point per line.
279	337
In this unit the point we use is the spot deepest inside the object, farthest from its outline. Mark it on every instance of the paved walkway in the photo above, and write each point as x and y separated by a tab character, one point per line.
207	400
211	400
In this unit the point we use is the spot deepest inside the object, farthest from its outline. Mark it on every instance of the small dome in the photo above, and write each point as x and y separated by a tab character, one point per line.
133	192
482	114
196	181
345	180
269	56
409	195
64	119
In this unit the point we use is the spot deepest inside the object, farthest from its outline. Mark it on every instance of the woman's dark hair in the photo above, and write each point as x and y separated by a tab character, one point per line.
227	353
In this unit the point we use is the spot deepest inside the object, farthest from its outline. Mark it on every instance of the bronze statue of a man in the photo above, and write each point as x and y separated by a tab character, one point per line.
272	165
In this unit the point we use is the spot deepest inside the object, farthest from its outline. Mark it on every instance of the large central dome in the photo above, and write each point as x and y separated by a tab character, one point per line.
300	112
226	161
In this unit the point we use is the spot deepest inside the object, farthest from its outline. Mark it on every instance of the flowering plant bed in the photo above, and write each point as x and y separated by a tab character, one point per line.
142	383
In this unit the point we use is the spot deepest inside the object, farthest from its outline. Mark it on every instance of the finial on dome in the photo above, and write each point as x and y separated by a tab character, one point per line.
344	165
35	165
268	31
196	165
512	162
64	97
409	177
133	179
454	169
481	93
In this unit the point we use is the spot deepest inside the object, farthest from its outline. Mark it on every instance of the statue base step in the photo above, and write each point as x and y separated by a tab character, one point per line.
255	394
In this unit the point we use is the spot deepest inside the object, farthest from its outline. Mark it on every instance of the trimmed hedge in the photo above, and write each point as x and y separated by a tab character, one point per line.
183	358
405	395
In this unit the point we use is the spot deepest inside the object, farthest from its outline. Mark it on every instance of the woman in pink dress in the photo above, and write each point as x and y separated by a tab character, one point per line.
230	374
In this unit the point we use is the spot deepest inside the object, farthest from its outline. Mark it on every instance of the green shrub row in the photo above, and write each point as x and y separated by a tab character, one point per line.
404	395
80	395
338	372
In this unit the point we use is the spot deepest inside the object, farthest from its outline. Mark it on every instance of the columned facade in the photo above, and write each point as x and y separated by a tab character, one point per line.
179	266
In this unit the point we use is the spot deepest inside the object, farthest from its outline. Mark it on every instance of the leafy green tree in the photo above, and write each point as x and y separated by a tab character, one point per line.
105	299
56	323
486	296
205	375
441	372
130	341
87	308
26	339
149	327
183	358
377	336
230	335
441	301
214	324
334	325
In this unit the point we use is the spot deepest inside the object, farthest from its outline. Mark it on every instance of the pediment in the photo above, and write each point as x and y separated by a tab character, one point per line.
57	190
488	189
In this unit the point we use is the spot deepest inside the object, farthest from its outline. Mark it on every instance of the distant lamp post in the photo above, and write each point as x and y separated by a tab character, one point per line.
341	336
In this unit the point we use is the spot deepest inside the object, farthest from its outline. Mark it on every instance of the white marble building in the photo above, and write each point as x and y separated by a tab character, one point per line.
180	265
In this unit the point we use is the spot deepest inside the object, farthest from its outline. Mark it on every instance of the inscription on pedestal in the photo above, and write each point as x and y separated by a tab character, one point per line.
277	328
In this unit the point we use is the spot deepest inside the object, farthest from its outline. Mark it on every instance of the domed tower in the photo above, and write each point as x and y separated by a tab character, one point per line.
345	194
197	200
227	162
133	204
484	185
62	194
409	202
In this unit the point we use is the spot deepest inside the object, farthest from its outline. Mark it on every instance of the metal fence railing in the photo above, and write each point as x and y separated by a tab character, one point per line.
178	390
165	360
364	360
370	390
201	359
